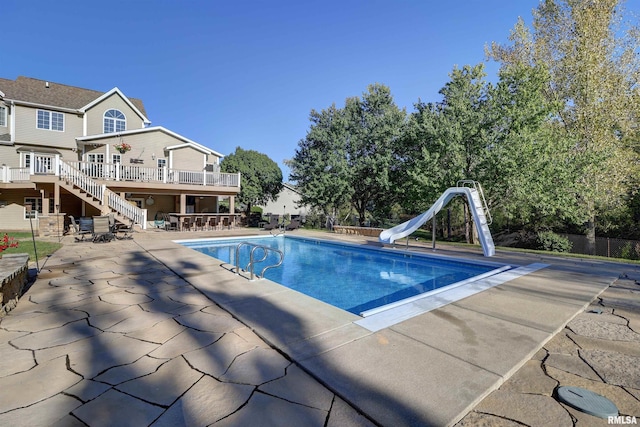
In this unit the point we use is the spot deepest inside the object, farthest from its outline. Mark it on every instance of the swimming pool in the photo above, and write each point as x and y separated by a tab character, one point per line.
351	277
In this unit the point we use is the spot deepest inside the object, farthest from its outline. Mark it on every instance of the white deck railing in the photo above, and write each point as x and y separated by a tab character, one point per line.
122	172
9	174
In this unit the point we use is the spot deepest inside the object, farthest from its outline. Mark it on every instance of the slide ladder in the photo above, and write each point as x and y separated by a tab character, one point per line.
477	205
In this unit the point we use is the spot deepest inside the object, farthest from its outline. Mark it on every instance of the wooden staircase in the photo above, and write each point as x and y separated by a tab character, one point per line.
93	201
100	197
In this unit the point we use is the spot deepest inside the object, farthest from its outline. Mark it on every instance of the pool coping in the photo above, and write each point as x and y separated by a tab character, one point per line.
431	369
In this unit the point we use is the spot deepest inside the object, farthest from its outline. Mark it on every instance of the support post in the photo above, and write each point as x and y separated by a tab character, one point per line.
433	232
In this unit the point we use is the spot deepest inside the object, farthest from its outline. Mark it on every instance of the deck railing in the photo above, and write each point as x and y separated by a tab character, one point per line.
9	174
122	172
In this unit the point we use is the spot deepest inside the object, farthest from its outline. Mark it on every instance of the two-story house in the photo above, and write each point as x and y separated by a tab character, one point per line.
67	151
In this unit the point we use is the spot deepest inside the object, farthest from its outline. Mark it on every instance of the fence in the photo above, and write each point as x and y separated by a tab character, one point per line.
606	246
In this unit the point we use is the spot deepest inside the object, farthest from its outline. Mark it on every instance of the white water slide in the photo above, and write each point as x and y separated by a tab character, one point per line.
477	205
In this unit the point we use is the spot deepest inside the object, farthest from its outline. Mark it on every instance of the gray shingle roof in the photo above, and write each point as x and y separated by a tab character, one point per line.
28	89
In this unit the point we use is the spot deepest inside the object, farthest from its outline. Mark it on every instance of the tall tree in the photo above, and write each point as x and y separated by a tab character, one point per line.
319	166
453	136
347	155
528	165
591	55
261	177
374	127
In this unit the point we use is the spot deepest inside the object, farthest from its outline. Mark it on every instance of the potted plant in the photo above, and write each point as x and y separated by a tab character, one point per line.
122	147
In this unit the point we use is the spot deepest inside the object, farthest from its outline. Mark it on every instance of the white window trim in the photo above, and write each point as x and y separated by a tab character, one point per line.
3	116
114	120
51	113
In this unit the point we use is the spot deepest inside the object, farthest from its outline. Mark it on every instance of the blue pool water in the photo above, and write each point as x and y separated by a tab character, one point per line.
353	278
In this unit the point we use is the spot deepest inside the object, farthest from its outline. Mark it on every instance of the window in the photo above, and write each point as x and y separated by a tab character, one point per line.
36	206
27	160
96	158
162	163
50	120
116	158
3	116
114	121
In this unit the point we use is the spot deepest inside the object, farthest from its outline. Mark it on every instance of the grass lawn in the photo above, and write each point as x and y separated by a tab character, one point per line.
25	245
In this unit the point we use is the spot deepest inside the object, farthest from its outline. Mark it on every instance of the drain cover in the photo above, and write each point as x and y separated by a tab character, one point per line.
587	401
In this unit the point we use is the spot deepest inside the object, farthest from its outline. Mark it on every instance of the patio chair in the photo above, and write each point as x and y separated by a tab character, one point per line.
102	230
159	219
187	223
274	222
293	225
112	222
73	225
85	228
171	223
124	231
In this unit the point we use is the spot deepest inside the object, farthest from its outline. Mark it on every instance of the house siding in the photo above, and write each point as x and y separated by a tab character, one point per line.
285	204
26	131
187	158
13	219
9	156
95	115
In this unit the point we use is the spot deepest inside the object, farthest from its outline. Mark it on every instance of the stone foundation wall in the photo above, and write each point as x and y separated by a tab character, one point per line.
51	224
360	231
14	270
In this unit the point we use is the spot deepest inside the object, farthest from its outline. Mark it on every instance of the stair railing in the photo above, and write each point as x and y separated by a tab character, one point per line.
103	194
82	181
476	186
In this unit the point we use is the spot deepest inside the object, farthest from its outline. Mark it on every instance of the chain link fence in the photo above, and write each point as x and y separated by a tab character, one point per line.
606	246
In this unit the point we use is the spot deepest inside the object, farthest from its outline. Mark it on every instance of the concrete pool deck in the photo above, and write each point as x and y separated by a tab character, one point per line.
165	331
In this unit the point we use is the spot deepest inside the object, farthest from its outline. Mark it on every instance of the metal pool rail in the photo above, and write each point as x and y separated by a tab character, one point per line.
253	261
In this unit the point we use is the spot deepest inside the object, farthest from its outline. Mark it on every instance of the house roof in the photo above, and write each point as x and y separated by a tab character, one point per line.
35	91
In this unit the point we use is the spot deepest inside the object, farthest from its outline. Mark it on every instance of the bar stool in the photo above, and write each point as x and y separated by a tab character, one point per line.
200	223
213	223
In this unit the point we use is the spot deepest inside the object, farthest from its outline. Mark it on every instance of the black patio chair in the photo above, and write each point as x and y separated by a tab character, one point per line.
274	222
293	225
85	228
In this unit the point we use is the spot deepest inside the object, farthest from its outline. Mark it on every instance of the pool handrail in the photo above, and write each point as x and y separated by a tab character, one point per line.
252	261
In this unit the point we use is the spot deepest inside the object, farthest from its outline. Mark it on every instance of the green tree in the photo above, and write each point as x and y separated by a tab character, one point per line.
590	53
529	161
374	127
319	166
347	155
261	177
449	140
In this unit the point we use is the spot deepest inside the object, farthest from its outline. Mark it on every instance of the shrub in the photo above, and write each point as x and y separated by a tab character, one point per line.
550	241
628	251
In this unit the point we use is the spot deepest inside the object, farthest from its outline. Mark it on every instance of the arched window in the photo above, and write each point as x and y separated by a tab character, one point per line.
114	121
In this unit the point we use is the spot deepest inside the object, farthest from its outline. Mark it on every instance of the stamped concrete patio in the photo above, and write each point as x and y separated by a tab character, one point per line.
147	332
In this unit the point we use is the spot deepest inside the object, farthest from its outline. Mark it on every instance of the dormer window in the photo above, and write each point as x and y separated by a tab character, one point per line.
114	121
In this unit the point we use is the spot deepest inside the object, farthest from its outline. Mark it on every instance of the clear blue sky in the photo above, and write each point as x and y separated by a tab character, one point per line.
247	73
